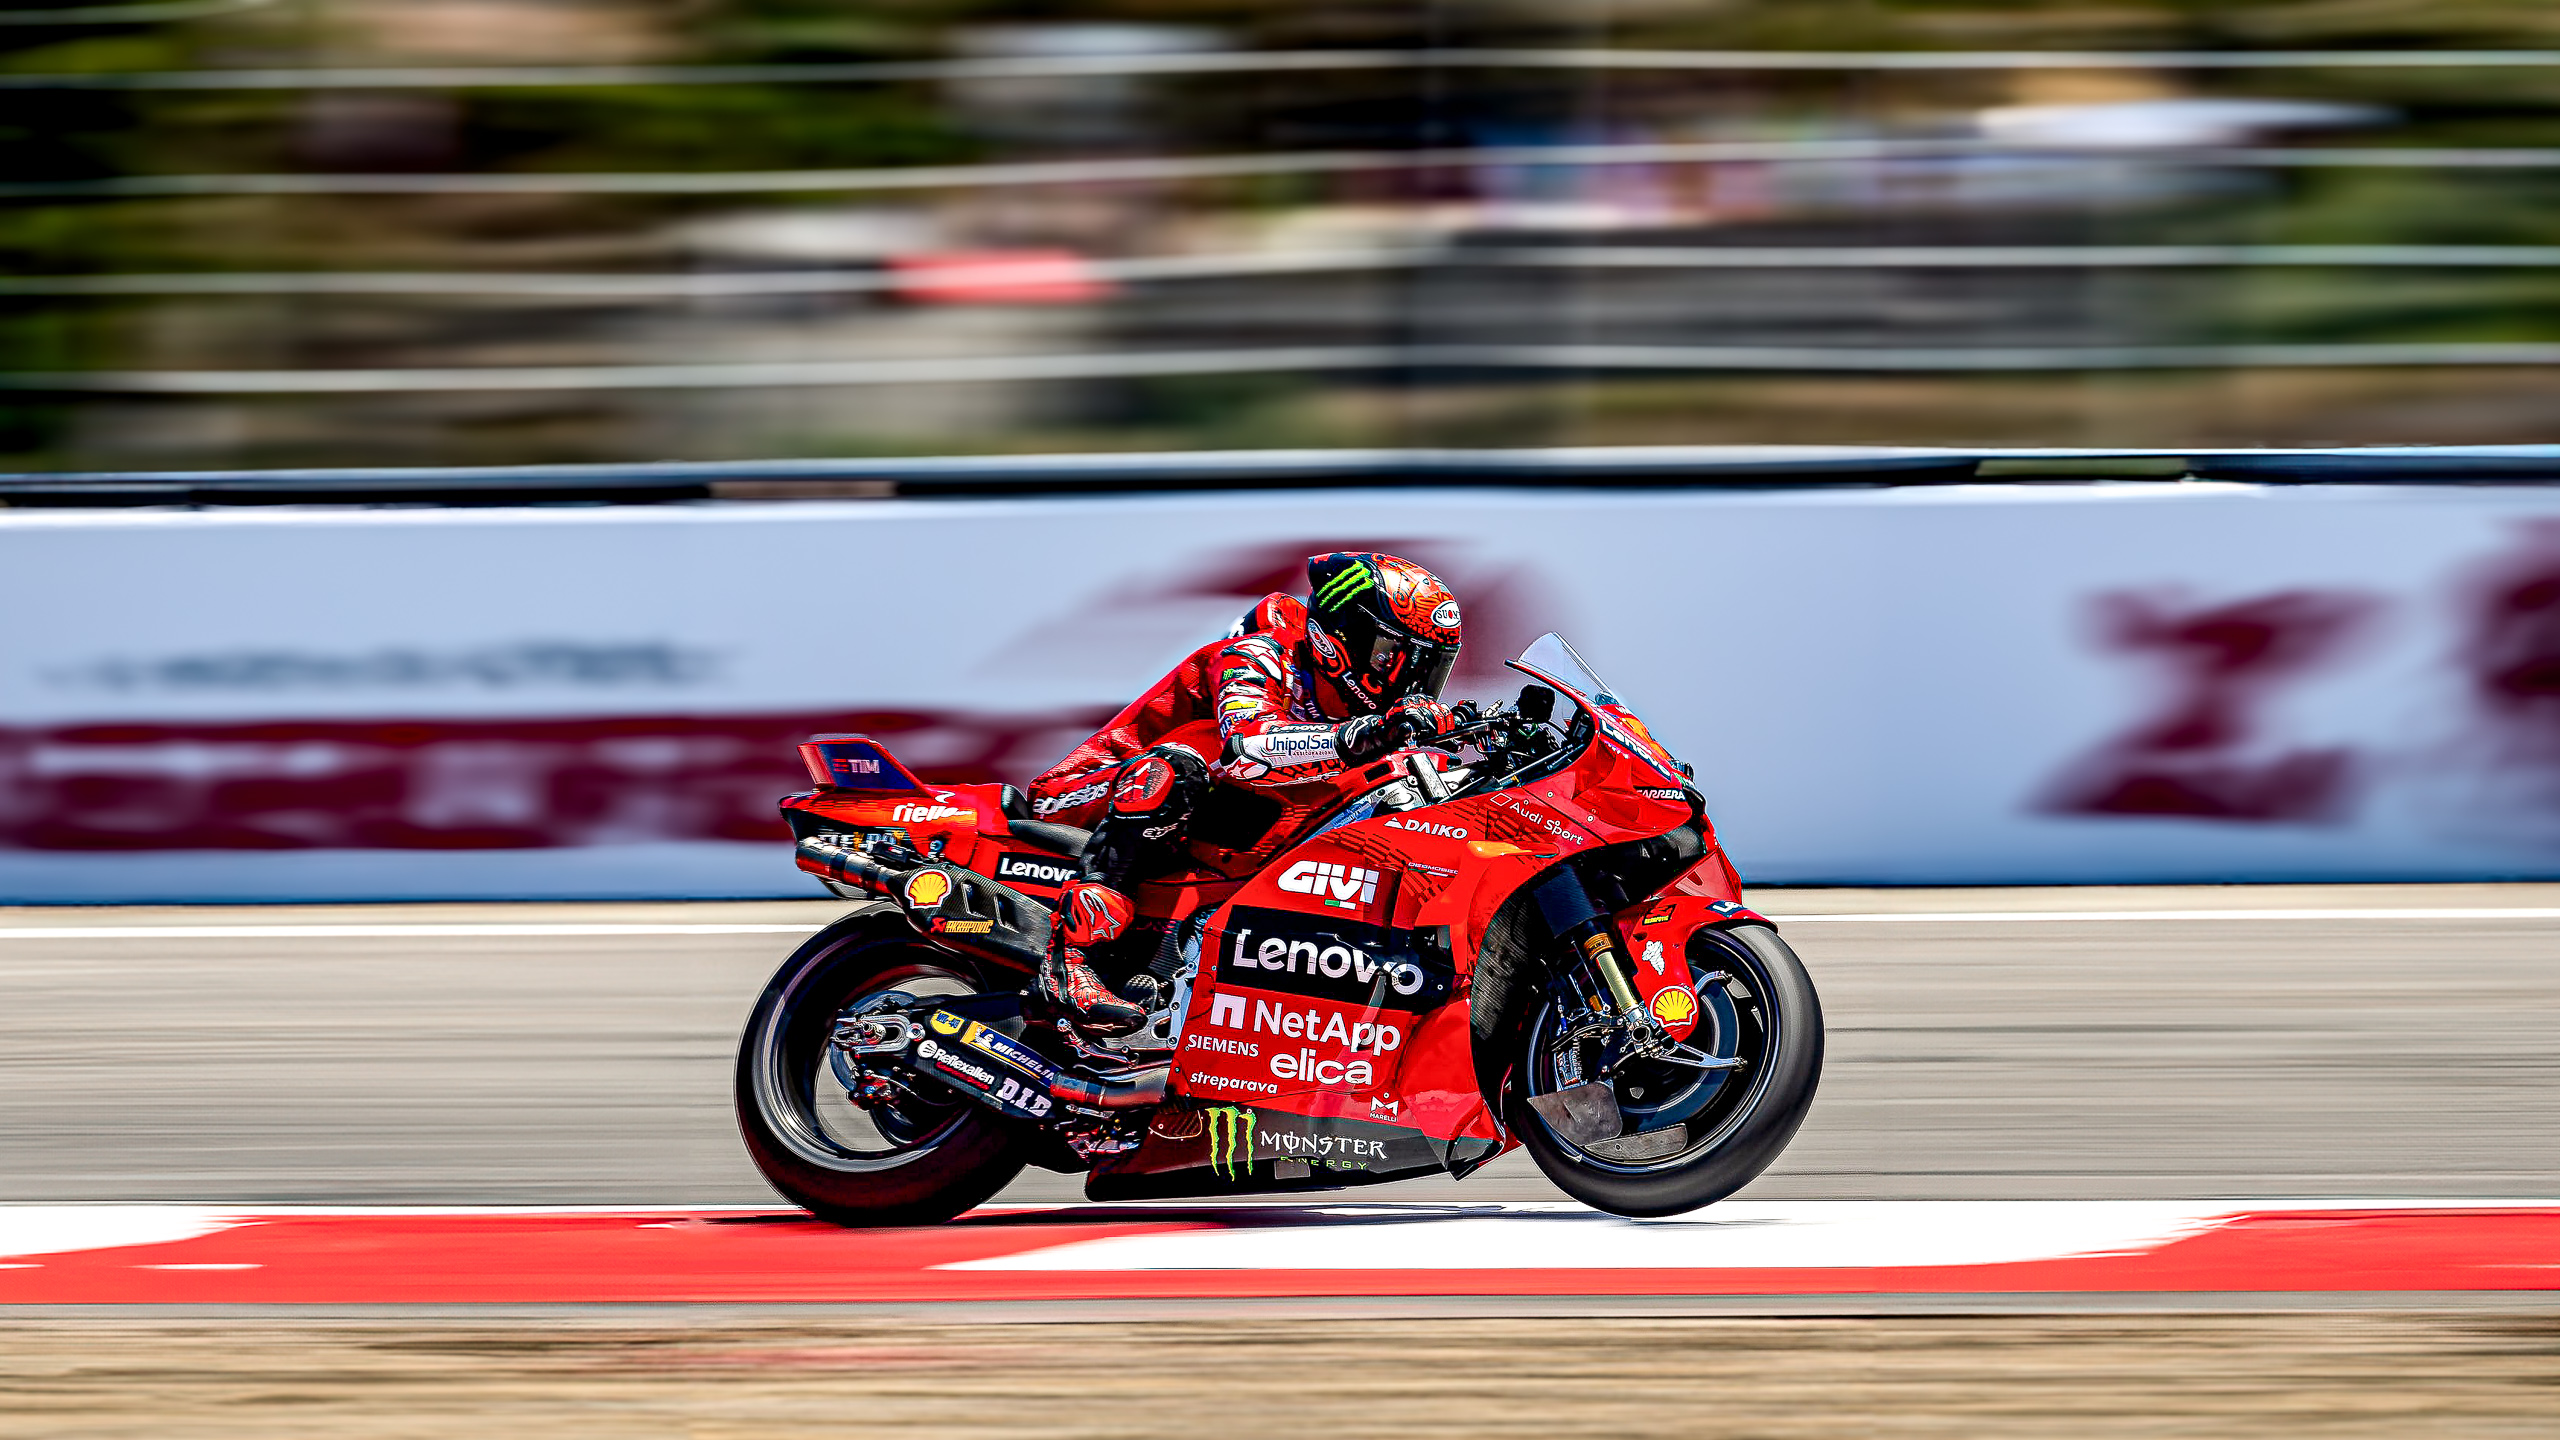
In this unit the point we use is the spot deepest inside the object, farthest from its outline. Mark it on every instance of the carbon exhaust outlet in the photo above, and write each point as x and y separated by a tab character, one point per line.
844	865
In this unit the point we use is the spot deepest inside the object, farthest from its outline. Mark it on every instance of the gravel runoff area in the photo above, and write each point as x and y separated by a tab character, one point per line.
2443	1376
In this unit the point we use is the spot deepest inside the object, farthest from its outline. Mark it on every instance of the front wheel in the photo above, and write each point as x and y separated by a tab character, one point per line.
1692	1136
919	1159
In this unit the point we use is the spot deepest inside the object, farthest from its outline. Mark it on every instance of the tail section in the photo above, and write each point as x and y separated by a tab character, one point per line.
857	762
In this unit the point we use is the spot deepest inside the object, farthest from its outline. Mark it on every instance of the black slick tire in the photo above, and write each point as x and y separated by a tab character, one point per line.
1782	1094
863	953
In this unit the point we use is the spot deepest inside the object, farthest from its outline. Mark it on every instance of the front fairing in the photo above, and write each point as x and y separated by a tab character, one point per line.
1288	979
1553	663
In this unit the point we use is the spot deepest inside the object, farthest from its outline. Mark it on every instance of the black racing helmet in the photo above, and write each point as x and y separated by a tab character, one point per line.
1380	628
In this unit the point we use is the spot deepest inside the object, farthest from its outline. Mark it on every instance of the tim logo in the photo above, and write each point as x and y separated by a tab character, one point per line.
852	765
1340	887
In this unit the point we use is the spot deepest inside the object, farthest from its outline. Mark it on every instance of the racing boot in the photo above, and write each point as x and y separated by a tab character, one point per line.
1087	914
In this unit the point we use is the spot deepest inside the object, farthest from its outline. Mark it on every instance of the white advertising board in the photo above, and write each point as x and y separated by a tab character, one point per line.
1977	684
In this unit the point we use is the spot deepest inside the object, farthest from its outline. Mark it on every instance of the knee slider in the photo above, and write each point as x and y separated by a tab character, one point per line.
1168	777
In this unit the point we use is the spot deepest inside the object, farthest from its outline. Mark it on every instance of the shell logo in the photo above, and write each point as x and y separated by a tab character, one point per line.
1676	1005
927	887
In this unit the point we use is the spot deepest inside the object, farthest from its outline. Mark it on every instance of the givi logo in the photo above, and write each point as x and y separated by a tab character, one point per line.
1343	888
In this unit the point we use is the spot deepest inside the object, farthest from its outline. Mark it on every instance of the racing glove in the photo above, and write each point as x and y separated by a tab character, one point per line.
1415	717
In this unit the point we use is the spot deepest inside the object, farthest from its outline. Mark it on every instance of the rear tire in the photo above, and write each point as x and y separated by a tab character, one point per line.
939	1161
1747	1138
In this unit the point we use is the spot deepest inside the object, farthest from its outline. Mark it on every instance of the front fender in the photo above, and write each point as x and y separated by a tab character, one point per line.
1657	935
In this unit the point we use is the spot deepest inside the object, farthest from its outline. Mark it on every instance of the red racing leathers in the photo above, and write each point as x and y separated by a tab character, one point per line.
1247	707
1246	710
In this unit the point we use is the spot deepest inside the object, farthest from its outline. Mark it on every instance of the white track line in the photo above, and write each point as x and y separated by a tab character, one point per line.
544	931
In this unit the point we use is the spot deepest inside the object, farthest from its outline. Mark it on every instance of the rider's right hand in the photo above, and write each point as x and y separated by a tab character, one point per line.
1411	719
1420	718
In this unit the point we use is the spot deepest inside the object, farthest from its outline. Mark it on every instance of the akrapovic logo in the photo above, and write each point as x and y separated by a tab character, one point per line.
1035	870
1342	887
1429	827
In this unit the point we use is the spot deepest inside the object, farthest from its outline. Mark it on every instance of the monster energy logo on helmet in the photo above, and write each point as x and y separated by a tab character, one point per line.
1338	591
1381	628
1231	1141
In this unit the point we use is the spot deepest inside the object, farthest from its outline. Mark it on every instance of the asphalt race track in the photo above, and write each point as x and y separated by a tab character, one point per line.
2341	1043
2244	1162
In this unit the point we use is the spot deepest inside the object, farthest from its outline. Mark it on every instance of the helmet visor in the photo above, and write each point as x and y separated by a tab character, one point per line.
1399	665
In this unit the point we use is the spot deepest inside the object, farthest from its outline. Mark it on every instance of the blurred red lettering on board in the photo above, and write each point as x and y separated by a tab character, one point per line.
460	784
2512	650
2199	754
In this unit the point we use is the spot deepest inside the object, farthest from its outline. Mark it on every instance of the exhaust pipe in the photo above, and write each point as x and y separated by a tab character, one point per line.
1126	1092
843	864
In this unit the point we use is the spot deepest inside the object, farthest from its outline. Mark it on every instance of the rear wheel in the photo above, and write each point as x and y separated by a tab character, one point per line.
921	1158
1693	1136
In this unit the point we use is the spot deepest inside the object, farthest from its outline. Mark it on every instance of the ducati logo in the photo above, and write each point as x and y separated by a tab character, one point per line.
1337	886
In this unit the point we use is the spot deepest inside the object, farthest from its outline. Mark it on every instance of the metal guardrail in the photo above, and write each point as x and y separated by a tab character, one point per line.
1660	467
618	287
1219	62
1534	360
1171	169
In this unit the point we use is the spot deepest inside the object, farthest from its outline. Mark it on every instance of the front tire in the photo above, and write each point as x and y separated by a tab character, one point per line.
1703	1155
922	1161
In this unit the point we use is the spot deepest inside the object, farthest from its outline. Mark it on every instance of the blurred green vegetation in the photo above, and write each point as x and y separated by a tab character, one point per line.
64	134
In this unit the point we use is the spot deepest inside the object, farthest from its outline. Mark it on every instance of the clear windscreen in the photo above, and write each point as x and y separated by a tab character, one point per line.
1559	665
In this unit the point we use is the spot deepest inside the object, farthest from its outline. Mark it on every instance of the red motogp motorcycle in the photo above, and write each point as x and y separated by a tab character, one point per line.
1404	968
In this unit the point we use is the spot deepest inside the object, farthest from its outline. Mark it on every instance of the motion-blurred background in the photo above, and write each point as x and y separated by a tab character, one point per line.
875	235
260	232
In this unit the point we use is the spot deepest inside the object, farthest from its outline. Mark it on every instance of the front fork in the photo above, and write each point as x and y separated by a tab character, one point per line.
1608	990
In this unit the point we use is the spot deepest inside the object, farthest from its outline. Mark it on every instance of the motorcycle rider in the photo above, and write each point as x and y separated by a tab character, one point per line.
1296	691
